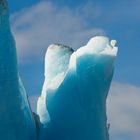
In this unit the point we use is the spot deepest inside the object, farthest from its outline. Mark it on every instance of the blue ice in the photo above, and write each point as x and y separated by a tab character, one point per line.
72	105
16	119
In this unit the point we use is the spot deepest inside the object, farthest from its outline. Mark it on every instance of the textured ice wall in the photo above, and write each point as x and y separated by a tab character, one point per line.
16	120
73	101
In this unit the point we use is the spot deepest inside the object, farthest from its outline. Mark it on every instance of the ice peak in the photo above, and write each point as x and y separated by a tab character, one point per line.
98	43
113	43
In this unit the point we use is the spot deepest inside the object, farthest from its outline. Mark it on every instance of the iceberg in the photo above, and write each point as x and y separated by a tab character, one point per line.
16	118
72	105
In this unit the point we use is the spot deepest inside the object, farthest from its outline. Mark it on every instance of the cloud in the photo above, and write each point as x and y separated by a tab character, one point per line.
123	111
38	26
33	102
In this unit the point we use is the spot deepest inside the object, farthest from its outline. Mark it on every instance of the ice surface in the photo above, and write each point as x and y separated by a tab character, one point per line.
74	108
16	120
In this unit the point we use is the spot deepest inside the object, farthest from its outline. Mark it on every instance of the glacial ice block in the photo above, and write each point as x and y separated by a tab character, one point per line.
72	105
56	64
16	120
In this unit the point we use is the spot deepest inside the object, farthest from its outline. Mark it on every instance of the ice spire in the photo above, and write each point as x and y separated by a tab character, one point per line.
16	120
76	107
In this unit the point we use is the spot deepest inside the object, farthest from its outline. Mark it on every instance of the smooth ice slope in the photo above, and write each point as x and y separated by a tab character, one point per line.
73	101
16	121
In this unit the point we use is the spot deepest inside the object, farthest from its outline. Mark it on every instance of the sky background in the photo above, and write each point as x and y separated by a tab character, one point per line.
39	23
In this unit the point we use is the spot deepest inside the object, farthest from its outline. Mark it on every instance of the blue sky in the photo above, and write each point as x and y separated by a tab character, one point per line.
119	21
38	23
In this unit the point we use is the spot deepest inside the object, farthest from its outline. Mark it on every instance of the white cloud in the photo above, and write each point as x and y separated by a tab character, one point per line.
124	112
33	102
38	26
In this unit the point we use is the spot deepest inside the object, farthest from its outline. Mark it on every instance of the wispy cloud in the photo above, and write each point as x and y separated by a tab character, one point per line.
38	26
33	102
124	112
